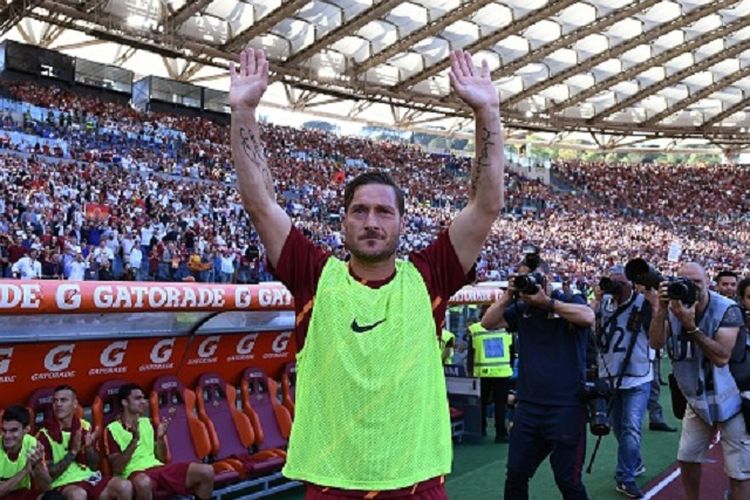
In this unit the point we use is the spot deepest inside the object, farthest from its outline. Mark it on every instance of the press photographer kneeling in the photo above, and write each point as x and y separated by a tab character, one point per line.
623	319
550	417
700	329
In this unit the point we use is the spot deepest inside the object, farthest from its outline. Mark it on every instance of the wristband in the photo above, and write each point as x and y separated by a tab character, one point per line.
693	332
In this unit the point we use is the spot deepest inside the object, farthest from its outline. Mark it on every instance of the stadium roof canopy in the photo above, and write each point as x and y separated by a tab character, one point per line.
677	69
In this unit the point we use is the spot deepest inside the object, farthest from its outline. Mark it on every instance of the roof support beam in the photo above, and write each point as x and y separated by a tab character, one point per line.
377	10
264	24
13	11
665	56
569	39
672	79
734	108
704	92
645	37
172	23
516	26
433	27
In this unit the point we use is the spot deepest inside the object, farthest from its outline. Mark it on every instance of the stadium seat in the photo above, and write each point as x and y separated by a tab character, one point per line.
105	409
40	407
288	384
271	421
187	437
230	430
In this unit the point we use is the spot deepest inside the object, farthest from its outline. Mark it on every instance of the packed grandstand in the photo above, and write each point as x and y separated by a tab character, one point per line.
165	183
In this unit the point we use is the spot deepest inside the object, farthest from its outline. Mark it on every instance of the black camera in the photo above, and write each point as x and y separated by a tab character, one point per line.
640	272
609	286
683	289
528	283
596	394
531	257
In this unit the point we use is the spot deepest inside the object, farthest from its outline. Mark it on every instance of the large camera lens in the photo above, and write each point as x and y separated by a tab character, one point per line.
640	272
526	283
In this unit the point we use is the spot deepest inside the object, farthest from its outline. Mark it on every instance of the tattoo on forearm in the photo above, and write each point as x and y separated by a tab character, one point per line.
482	159
251	146
253	150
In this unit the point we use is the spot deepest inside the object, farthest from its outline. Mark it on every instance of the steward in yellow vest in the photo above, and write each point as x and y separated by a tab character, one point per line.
447	344
491	359
21	458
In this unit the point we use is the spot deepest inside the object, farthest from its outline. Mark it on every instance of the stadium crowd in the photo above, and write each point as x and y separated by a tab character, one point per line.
151	197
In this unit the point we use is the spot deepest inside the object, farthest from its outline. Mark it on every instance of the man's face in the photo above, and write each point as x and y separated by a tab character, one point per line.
727	286
63	404
372	223
746	298
13	433
625	286
136	404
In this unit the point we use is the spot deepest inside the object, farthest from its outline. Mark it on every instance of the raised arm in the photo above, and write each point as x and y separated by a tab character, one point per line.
255	183
486	191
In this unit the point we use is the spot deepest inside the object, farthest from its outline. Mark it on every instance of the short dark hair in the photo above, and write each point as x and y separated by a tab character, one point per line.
65	387
741	287
126	390
378	177
726	274
17	413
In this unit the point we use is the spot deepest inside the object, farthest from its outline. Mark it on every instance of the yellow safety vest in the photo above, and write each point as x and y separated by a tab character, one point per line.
445	337
491	352
75	472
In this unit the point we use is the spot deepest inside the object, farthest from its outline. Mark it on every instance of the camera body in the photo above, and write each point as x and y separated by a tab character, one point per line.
682	289
596	394
529	283
608	286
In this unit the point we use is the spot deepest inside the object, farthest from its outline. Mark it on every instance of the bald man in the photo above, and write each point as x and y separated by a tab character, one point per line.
701	337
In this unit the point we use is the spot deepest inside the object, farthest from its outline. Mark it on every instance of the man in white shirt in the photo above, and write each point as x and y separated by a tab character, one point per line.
78	268
28	267
227	266
135	261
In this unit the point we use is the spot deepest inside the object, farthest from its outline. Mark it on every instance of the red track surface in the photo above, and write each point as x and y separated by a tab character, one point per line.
713	482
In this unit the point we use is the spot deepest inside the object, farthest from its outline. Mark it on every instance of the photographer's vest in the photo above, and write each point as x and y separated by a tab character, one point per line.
9	468
75	472
491	352
709	390
371	408
614	334
143	457
445	337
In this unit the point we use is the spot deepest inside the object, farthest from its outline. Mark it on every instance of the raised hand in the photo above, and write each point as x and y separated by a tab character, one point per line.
34	457
91	438
163	428
473	86
75	442
249	80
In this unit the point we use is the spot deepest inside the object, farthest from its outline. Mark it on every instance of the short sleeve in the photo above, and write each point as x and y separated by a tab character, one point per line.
732	318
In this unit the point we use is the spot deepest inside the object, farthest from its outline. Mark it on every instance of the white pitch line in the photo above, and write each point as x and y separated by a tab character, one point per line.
662	484
671	477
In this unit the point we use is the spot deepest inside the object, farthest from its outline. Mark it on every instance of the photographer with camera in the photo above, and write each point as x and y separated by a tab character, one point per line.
623	318
700	329
550	418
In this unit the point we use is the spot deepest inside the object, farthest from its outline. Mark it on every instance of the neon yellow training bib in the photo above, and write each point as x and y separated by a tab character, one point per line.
371	410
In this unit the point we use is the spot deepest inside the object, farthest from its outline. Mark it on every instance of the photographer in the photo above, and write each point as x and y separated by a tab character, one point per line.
623	318
550	417
700	328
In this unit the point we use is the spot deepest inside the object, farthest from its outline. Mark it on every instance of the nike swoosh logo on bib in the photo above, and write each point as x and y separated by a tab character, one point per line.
365	328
